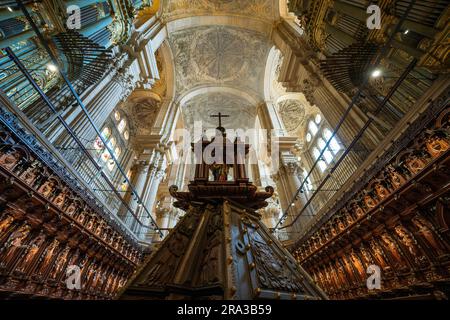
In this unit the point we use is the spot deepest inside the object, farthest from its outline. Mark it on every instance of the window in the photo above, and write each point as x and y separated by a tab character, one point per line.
318	119
308	183
98	144
334	146
319	139
122	125
322	165
111	142
308	137
313	129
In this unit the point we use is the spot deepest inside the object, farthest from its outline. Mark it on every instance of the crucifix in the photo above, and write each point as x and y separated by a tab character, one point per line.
220	116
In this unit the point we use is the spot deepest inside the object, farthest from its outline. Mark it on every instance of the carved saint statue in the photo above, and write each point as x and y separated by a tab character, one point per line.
369	202
436	146
29	255
9	159
14	243
415	164
59	263
426	231
378	254
392	248
357	263
359	212
381	191
220	171
413	248
5	223
211	262
47	188
30	174
396	178
48	256
59	200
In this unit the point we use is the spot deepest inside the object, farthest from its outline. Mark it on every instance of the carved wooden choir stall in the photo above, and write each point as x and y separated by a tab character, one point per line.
47	225
221	249
399	221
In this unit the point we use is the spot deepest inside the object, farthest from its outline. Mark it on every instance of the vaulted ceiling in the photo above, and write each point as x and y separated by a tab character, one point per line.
220	57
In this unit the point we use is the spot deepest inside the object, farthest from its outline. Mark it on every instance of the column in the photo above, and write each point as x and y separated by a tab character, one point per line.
140	173
270	119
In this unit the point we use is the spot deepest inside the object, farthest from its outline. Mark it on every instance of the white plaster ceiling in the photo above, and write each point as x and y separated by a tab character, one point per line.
201	107
219	56
223	54
262	9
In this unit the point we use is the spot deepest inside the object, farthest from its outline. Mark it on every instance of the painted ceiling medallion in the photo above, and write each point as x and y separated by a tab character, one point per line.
293	114
219	55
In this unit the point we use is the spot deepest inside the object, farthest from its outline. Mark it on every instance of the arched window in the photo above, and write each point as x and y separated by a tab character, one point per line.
111	142
318	119
334	146
322	141
308	183
313	129
98	144
122	125
322	165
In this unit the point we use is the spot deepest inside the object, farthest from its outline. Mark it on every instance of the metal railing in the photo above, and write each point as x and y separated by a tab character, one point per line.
78	151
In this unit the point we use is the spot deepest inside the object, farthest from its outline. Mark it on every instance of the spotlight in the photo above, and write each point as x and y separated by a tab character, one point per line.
51	67
10	9
406	31
376	73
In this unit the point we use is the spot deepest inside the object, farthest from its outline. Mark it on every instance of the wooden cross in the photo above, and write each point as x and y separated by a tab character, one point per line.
220	116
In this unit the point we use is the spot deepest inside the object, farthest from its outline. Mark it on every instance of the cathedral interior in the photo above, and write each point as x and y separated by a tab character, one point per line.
334	121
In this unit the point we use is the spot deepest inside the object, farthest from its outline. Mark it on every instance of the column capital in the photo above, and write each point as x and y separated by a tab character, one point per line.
293	168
